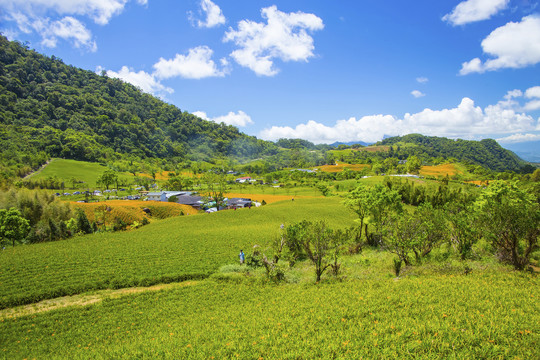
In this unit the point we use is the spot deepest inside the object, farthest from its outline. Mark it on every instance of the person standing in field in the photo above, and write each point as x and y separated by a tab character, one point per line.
242	257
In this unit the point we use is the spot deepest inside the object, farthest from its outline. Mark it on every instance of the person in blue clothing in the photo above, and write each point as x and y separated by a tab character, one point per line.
242	257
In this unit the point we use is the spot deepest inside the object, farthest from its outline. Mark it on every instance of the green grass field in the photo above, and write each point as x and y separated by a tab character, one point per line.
174	249
85	171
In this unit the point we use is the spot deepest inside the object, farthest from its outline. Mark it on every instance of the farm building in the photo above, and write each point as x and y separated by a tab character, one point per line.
195	201
235	203
244	179
165	195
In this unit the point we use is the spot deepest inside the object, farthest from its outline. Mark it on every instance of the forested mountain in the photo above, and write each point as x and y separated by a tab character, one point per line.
50	109
487	152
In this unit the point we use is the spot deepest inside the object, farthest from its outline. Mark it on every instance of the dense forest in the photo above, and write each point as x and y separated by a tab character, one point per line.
50	109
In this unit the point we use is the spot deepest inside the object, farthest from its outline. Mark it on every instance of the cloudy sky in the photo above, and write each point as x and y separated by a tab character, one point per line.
320	70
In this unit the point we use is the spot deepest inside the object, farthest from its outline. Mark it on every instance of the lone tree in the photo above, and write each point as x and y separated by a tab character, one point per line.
108	178
13	227
510	220
375	205
320	244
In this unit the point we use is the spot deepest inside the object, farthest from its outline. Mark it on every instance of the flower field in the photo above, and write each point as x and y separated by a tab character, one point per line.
440	170
340	167
484	315
174	249
268	198
131	210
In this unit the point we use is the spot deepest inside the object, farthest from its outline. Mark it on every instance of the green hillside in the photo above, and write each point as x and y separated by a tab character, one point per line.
487	152
50	109
84	171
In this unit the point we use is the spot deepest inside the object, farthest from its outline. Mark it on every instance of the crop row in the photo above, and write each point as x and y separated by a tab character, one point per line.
169	250
474	316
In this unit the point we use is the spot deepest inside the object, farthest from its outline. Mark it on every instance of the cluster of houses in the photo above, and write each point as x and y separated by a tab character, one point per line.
198	202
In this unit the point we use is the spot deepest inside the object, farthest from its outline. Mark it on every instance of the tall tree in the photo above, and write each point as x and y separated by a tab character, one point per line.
13	227
510	220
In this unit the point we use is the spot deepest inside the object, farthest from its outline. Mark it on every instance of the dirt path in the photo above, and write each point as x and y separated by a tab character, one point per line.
38	170
84	299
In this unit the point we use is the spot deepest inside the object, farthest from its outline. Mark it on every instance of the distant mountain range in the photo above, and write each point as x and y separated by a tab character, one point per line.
529	151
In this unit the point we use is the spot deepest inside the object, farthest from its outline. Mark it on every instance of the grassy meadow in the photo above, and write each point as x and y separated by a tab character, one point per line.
86	171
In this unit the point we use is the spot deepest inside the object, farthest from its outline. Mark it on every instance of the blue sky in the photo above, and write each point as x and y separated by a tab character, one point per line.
320	70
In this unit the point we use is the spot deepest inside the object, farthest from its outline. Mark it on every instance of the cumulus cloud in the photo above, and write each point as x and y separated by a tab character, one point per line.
517	138
284	36
212	12
146	82
533	94
417	93
68	28
475	10
239	119
514	45
422	80
466	121
197	64
56	19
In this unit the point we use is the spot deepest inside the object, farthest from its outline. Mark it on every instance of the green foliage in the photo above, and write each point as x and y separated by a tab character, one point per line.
13	227
510	220
373	204
397	266
46	214
320	244
82	224
462	230
108	178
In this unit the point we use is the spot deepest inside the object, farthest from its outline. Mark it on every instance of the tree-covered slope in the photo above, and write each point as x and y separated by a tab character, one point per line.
487	152
50	109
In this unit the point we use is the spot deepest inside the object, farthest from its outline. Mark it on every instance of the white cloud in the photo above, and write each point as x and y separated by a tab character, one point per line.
534	94
239	119
100	11
517	138
475	10
146	82
465	121
55	19
422	80
213	13
283	37
201	114
197	64
514	45
417	93
68	28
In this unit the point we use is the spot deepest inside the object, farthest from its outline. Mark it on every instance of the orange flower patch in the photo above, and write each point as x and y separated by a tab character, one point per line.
439	170
342	166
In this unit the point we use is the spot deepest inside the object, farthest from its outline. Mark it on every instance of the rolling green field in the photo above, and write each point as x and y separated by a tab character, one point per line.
473	316
85	171
175	249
